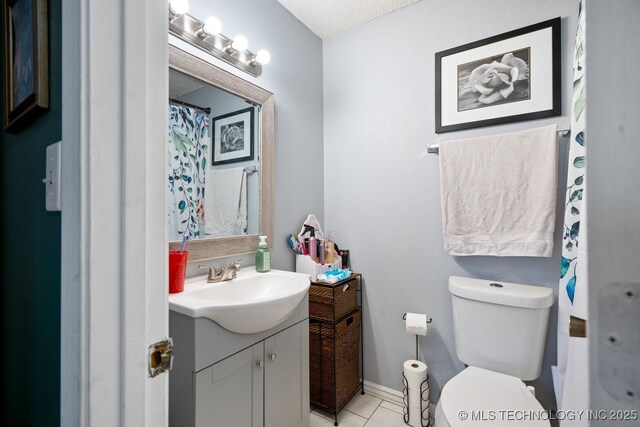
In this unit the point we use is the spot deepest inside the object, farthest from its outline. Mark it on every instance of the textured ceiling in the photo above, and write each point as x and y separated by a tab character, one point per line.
327	18
181	84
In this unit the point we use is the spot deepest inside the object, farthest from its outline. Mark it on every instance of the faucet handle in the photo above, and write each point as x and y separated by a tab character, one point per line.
236	264
213	273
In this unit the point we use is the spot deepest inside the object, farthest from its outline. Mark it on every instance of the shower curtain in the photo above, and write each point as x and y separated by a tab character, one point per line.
572	379
188	136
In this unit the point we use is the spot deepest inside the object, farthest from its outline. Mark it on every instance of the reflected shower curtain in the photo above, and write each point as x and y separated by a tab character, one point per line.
188	137
572	379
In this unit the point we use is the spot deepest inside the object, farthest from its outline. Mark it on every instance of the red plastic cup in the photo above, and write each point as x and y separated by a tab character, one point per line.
177	270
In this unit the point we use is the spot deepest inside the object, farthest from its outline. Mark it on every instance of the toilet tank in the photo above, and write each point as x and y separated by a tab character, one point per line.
500	326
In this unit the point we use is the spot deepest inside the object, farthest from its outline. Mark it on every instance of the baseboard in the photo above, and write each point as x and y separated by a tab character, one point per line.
382	392
391	395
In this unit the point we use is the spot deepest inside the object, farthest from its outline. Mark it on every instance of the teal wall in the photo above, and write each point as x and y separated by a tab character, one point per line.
31	262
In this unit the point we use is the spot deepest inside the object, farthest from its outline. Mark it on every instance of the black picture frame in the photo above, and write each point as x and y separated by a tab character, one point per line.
26	59
228	130
472	91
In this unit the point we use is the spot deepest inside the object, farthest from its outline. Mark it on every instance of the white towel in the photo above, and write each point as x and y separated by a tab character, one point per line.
499	193
225	202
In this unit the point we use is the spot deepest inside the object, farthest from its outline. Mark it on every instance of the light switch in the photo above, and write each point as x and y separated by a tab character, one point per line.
52	177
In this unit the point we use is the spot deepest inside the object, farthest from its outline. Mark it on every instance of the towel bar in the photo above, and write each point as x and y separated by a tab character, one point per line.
434	148
251	169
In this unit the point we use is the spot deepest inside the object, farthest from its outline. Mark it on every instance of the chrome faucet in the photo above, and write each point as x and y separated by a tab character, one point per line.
222	274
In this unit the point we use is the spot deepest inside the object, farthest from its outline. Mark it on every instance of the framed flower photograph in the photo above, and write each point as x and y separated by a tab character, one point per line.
507	78
233	137
26	59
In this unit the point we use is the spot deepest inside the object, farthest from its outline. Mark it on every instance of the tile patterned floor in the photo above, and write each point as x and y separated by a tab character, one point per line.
361	411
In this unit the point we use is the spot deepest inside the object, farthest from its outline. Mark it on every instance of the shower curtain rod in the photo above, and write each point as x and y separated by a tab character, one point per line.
434	148
186	104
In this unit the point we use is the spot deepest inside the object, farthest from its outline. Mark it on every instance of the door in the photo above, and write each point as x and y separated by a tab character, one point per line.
613	209
230	392
286	392
113	243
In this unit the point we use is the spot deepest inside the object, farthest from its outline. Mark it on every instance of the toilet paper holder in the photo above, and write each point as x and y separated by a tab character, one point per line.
404	317
429	320
424	392
424	397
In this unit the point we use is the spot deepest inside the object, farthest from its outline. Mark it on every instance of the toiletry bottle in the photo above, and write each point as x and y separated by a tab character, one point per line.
263	256
330	252
313	246
321	251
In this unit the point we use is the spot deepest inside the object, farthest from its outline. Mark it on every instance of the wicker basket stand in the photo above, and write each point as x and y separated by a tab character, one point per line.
335	342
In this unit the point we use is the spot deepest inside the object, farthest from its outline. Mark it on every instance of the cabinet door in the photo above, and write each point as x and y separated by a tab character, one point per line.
286	393
230	392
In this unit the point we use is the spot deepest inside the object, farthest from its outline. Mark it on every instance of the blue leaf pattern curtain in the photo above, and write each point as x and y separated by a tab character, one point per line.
188	138
573	368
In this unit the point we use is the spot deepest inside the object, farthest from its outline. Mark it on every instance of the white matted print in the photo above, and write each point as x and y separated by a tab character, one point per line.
506	78
233	137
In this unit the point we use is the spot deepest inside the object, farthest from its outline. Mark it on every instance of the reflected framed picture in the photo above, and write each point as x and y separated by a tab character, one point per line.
26	59
233	137
507	78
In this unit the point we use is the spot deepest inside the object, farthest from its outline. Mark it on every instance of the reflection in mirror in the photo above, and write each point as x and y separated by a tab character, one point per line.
235	152
214	166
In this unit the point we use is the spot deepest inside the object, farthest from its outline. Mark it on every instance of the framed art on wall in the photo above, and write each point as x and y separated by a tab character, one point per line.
26	59
507	78
233	137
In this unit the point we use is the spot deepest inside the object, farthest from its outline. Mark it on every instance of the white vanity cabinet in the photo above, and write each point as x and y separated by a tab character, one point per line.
286	377
224	379
229	393
263	385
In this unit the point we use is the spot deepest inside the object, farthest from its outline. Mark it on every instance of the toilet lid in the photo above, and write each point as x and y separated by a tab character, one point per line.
490	398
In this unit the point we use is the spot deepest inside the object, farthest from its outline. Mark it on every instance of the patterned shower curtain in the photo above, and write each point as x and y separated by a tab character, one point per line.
573	369
188	137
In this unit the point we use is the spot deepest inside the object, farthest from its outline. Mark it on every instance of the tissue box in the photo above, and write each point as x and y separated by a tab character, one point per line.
305	265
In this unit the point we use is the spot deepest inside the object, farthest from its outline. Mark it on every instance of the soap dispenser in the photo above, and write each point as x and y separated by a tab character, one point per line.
263	256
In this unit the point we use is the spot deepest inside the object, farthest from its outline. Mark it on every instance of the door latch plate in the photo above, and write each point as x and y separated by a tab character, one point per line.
160	357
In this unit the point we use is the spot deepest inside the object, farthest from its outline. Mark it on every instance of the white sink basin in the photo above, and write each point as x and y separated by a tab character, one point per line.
251	303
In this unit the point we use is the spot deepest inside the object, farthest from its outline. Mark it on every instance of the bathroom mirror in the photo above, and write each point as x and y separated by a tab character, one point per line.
220	161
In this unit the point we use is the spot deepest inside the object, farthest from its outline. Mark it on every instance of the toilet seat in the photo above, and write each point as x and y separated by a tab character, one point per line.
488	398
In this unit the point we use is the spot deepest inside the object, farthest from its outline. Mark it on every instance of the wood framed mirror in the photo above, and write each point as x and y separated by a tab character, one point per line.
217	247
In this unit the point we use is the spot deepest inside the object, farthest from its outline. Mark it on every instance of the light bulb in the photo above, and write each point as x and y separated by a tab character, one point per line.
178	7
212	26
263	57
240	42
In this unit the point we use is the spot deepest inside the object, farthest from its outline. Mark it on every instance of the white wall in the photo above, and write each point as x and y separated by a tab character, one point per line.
382	196
294	75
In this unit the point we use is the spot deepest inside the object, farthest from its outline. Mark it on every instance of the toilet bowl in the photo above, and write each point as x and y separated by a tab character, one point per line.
478	396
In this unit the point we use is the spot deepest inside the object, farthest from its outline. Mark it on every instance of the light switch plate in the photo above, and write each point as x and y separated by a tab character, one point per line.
52	177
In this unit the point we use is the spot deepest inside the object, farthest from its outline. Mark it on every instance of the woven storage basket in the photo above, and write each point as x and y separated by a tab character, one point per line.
334	377
331	302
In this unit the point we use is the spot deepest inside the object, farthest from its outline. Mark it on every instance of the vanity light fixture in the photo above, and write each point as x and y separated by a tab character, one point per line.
262	57
240	42
207	37
178	7
212	26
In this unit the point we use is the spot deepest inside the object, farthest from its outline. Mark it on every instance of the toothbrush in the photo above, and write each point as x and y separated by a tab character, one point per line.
184	242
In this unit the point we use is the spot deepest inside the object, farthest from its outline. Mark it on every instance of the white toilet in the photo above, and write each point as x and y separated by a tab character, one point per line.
500	330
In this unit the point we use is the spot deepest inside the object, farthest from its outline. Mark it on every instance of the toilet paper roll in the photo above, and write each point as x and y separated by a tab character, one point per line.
416	372
416	324
415	419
